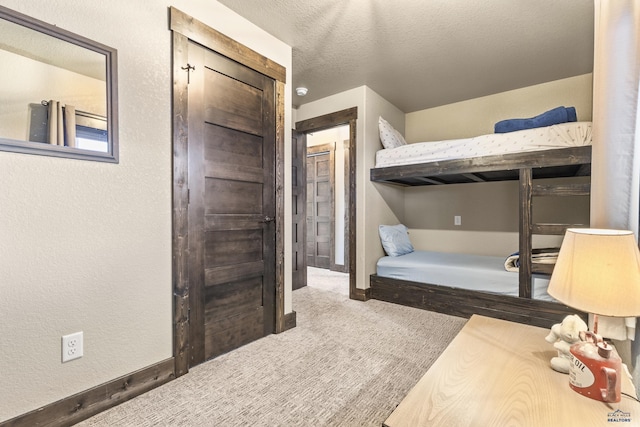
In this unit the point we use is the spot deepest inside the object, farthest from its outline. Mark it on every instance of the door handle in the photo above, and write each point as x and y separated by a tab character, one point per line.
268	219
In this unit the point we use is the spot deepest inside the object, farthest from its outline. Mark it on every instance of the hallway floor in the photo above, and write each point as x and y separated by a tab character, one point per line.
327	280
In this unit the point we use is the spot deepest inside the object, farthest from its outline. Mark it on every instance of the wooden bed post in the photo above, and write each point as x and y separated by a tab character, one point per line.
525	244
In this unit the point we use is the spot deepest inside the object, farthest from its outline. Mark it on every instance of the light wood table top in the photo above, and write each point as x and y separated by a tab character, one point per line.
497	373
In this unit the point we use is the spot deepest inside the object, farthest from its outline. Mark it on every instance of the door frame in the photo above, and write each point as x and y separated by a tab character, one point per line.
185	29
349	117
299	209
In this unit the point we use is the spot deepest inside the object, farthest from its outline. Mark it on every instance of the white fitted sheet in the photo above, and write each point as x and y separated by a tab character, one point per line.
473	272
563	135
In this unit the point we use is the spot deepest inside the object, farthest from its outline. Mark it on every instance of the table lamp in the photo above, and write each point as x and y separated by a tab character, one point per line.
598	272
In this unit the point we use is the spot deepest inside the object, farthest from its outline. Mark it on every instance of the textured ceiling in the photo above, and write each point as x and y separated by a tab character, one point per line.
419	54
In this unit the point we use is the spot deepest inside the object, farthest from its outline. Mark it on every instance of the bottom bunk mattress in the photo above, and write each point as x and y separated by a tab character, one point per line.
473	272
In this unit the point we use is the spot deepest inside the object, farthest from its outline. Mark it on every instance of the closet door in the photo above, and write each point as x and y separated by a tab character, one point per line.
319	210
232	204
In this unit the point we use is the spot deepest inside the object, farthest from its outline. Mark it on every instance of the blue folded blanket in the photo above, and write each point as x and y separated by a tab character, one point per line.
548	118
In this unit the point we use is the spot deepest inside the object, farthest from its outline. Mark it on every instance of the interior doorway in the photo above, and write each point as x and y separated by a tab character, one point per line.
325	136
199	231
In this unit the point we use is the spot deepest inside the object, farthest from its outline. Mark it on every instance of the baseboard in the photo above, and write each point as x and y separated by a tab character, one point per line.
340	268
361	294
289	321
88	403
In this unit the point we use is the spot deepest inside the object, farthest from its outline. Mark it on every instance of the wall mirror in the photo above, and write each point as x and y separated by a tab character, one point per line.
58	91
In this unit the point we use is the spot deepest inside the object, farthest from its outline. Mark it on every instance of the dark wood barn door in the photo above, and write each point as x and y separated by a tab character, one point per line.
231	225
319	210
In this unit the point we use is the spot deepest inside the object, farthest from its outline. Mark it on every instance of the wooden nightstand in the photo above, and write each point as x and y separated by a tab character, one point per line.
497	373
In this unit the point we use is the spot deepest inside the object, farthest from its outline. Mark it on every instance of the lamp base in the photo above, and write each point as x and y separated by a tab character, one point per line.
595	371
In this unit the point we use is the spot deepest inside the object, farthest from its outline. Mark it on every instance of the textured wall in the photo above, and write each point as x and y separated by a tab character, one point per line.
86	246
477	116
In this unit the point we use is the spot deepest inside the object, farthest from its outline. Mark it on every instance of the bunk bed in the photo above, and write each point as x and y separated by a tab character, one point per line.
546	161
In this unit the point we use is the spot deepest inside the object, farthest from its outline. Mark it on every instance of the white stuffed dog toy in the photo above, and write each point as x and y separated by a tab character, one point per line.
563	335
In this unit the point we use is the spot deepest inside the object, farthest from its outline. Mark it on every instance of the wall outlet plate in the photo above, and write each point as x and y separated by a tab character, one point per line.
72	347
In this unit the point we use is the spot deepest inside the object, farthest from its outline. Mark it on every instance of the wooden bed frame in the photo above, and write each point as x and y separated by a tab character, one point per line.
524	167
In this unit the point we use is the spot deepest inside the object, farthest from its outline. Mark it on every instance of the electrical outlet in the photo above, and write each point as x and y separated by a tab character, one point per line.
72	347
457	220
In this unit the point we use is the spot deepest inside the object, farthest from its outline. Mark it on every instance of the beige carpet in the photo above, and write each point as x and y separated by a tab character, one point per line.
327	280
347	363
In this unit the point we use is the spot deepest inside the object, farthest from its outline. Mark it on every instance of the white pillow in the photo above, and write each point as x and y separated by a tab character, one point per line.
389	137
395	239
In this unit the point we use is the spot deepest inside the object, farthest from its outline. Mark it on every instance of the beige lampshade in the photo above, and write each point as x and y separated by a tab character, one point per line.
598	271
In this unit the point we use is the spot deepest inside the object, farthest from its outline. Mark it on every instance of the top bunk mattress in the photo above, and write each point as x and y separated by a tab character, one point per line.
565	135
473	272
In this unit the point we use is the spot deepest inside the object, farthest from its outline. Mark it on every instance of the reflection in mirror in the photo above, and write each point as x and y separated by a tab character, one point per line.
58	91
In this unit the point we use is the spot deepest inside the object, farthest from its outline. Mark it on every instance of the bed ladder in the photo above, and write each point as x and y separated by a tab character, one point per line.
527	228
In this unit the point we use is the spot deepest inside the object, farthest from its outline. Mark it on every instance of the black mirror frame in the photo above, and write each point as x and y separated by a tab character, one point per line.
111	62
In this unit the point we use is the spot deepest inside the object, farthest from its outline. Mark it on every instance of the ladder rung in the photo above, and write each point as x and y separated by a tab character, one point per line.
561	190
541	268
554	229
